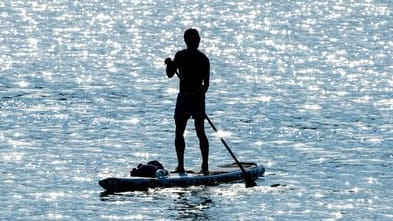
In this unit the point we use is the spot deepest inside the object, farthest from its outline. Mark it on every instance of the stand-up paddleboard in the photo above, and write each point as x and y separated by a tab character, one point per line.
223	174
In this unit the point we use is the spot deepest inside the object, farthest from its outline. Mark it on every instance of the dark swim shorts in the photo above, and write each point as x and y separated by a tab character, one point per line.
190	104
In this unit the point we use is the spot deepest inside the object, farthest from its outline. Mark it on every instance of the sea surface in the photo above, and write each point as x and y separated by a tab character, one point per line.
303	87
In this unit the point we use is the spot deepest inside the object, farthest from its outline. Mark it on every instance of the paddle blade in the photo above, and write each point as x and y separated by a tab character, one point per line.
248	180
250	183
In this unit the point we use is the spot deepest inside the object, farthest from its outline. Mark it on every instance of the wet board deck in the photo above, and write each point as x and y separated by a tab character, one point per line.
223	174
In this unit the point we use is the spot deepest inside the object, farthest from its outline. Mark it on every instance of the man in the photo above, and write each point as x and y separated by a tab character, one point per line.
194	74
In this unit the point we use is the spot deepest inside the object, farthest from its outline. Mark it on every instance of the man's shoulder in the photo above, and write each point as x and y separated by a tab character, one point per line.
202	54
181	52
185	54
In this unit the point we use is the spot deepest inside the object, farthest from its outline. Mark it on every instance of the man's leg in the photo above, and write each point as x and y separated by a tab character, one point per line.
203	143
180	143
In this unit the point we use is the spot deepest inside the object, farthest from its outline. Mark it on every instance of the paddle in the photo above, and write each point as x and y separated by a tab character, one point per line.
249	181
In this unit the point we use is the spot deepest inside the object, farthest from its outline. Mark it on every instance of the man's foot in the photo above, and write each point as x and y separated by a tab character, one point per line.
205	172
205	169
178	170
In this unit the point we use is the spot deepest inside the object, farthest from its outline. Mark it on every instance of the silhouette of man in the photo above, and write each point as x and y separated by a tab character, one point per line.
194	74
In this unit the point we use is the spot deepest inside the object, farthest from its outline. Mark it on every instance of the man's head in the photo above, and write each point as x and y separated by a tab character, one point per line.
192	39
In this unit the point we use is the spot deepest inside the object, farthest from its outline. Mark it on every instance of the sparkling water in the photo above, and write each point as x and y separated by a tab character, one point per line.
303	87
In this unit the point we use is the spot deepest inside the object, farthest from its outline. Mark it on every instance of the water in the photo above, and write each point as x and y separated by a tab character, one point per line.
303	87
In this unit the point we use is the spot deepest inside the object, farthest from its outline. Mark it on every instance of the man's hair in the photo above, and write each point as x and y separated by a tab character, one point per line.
191	37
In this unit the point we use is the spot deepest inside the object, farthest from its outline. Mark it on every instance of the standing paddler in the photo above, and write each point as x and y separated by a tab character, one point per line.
193	69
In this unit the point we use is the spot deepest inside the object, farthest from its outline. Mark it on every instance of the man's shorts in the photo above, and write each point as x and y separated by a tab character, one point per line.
190	105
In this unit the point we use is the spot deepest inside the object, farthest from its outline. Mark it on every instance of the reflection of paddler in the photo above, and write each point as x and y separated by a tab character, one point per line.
193	69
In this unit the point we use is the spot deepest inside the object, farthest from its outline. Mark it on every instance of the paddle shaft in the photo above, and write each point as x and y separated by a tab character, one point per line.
249	181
